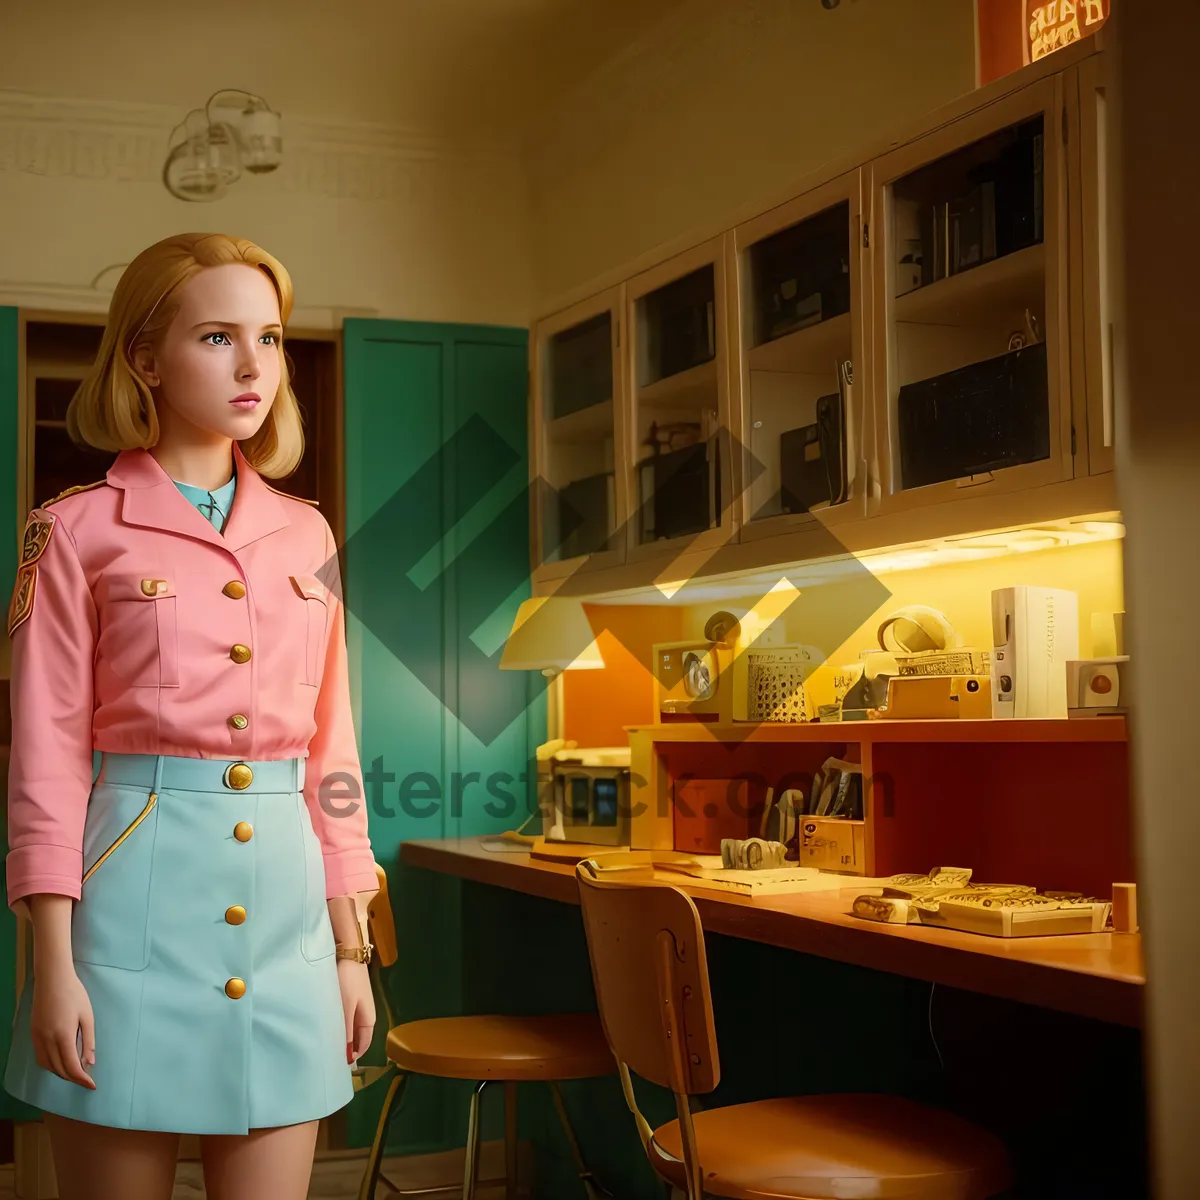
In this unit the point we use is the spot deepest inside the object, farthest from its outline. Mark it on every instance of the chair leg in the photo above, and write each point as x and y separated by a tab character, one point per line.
471	1166
375	1161
510	1141
591	1185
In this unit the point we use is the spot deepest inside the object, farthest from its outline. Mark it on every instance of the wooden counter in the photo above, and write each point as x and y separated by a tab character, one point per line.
1093	975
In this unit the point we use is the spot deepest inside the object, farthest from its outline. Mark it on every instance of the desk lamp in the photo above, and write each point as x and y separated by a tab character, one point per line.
551	634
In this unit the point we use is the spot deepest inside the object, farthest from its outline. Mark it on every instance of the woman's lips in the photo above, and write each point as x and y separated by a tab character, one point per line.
249	400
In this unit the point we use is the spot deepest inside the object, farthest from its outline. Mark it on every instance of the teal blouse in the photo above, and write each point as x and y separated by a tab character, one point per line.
213	506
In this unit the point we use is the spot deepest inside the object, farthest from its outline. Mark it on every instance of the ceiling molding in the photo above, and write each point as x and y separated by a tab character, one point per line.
110	142
78	298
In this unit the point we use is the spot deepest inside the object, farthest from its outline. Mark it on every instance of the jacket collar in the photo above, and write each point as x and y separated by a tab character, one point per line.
153	501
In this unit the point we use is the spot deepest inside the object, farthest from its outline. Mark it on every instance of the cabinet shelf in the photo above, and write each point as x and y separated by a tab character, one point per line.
977	296
583	425
813	350
697	384
1082	729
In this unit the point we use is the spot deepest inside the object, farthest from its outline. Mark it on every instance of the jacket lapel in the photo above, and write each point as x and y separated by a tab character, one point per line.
154	502
256	511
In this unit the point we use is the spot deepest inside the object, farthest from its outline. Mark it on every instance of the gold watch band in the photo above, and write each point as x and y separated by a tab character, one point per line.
360	954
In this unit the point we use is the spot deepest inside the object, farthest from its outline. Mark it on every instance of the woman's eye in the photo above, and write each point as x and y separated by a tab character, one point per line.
208	336
268	338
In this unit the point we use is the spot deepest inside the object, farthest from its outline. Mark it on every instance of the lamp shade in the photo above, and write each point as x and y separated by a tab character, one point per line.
551	633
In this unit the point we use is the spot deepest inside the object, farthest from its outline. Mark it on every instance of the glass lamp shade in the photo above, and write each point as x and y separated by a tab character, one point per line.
189	175
262	139
223	154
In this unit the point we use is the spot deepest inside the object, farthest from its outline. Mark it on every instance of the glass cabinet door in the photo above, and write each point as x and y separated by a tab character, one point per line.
579	513
798	333
679	485
970	282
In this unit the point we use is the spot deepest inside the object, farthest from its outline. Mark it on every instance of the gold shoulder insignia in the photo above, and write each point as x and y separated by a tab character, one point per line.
79	487
21	604
38	528
289	495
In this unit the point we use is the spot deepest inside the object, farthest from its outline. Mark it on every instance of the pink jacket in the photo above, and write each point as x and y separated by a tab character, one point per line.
128	645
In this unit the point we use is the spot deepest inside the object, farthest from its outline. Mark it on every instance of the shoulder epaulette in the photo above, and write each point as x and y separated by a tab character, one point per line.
289	496
79	487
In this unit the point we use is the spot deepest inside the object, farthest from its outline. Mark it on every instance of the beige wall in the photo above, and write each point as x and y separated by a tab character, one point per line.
716	112
365	218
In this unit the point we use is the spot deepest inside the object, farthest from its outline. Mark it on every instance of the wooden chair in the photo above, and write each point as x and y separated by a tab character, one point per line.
485	1050
651	977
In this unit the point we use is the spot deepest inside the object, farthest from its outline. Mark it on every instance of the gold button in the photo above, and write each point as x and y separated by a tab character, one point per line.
238	721
235	988
243	831
235	589
239	653
238	776
235	914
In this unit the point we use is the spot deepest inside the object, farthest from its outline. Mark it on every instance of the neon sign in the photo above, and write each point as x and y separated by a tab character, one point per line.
1053	24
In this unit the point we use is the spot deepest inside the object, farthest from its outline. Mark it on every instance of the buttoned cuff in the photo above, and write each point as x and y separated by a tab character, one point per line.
43	868
349	871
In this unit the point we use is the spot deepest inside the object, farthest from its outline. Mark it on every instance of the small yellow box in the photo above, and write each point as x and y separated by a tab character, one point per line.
938	697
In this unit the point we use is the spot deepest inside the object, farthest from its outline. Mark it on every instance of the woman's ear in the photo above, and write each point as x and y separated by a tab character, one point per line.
144	364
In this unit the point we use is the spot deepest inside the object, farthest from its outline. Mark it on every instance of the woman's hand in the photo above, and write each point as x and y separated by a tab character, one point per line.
61	1012
358	1006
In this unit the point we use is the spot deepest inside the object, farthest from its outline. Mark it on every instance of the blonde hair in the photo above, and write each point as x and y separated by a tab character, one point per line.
113	408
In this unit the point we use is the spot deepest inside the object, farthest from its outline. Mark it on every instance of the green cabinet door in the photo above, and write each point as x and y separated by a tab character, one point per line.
436	565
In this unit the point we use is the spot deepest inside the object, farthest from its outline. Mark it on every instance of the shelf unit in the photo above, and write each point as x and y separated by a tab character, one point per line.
1041	802
961	318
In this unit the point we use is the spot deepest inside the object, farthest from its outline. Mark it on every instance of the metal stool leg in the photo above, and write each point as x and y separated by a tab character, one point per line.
471	1168
375	1161
510	1141
591	1184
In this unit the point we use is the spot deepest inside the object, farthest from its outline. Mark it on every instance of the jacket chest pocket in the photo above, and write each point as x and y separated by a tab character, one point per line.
311	593
139	635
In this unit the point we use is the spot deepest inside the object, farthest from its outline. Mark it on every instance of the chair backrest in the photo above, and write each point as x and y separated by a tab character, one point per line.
649	969
381	923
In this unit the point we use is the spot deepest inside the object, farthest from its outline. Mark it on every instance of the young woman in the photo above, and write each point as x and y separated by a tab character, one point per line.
198	962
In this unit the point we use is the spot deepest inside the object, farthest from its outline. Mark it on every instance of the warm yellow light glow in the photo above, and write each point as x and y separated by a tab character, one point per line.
551	633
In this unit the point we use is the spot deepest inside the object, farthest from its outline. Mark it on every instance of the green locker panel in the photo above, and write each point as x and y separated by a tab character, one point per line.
436	563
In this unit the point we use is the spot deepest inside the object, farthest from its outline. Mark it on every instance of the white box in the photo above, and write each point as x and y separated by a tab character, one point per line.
1035	632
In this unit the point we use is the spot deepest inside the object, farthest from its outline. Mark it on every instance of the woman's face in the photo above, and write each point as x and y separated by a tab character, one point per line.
216	368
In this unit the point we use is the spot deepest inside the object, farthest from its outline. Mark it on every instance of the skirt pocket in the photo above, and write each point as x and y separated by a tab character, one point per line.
110	925
316	937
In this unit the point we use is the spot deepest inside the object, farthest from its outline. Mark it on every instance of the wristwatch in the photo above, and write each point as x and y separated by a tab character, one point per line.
360	954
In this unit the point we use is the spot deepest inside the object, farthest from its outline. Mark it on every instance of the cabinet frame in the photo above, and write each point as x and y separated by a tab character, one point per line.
715	253
1046	98
612	300
849	187
1092	319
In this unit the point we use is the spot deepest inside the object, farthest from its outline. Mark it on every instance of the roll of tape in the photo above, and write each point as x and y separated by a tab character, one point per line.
916	629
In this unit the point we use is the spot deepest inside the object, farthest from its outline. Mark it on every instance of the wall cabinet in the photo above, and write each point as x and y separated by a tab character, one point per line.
579	501
916	347
969	284
798	341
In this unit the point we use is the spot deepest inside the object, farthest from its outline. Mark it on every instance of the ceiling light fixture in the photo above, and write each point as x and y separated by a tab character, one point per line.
211	146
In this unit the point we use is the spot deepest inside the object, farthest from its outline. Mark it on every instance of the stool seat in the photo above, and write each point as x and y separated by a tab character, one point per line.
839	1147
512	1049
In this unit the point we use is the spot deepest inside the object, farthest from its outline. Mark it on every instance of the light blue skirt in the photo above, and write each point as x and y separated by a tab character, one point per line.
203	940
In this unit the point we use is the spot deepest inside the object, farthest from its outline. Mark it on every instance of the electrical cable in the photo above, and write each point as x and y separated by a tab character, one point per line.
932	1038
